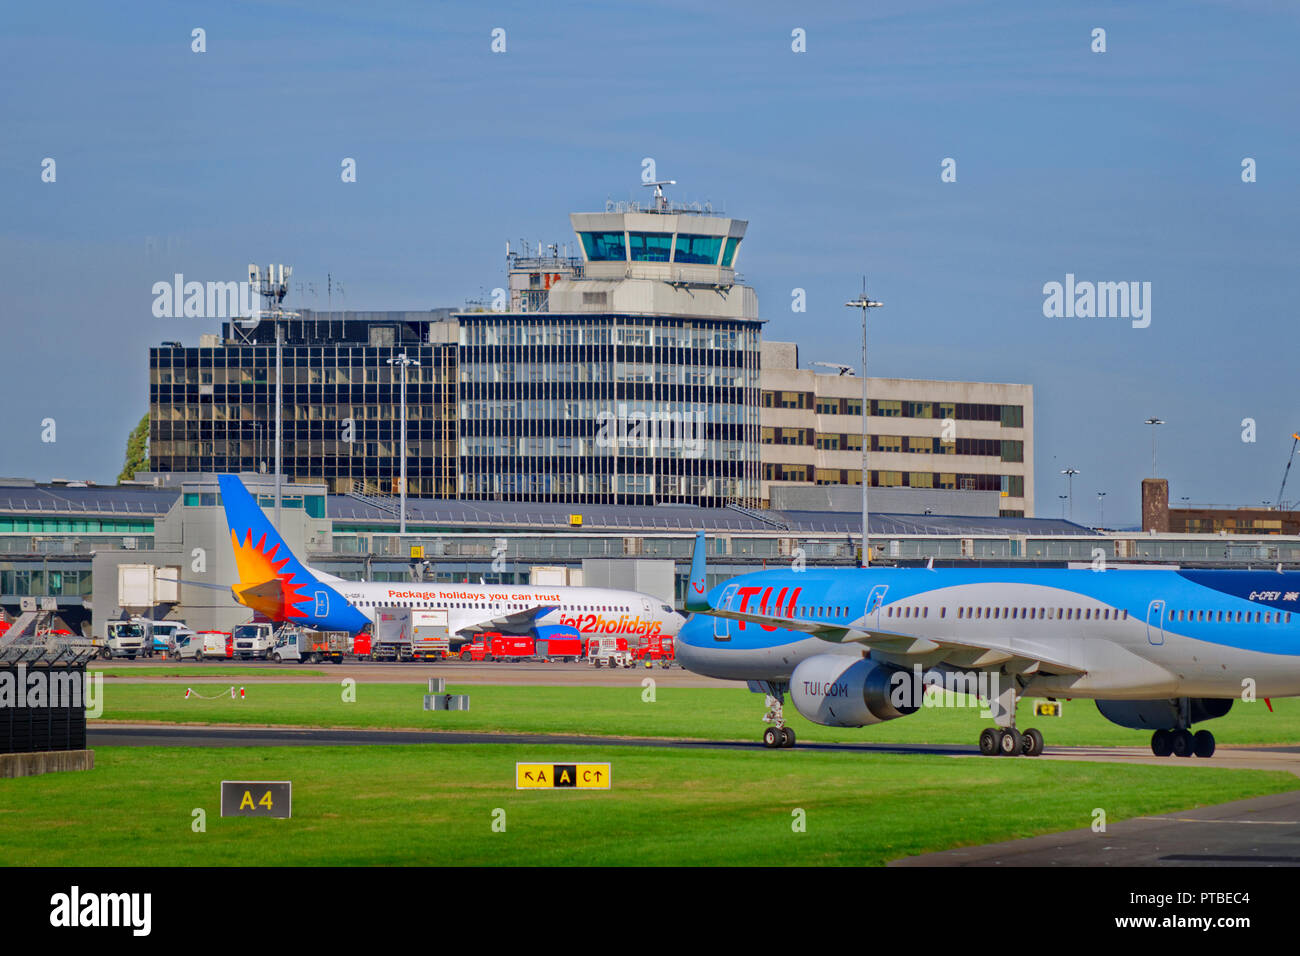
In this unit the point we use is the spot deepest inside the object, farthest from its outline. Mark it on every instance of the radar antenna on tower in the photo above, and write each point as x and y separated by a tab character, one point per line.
661	202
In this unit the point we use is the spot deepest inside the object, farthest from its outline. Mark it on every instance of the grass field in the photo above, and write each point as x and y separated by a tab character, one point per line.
700	713
433	805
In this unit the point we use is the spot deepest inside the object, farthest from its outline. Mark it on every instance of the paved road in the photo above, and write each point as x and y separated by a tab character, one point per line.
501	673
1264	831
104	734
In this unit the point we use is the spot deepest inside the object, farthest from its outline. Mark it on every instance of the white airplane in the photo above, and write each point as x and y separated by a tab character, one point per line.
276	584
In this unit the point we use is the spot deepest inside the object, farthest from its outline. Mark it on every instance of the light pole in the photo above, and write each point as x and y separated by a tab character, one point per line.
1153	422
1069	475
403	362
1062	497
1101	514
863	303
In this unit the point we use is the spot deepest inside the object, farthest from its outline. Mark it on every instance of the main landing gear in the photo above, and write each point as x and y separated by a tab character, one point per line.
1004	740
1009	742
778	735
1180	741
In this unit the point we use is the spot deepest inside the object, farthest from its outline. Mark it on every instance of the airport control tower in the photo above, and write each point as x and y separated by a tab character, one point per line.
629	375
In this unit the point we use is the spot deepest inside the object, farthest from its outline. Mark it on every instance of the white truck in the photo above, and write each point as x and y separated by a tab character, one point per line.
310	647
254	640
122	639
405	634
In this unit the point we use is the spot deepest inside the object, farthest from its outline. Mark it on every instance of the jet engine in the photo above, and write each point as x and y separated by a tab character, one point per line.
1160	714
838	691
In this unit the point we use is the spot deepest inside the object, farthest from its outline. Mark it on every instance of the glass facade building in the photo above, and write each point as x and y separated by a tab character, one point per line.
212	408
612	408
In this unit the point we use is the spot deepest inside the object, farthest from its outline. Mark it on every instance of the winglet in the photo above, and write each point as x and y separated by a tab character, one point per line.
696	588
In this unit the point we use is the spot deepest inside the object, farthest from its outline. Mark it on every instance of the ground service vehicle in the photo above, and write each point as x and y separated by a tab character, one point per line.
186	647
161	636
492	646
311	647
254	640
610	651
655	649
214	645
123	639
403	634
205	645
559	648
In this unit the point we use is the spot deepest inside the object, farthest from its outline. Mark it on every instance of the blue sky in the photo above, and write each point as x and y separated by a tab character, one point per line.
1119	166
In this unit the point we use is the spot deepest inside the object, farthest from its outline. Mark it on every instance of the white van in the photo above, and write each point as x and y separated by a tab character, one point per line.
165	634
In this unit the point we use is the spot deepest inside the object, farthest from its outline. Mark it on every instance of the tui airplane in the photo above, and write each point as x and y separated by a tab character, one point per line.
1158	649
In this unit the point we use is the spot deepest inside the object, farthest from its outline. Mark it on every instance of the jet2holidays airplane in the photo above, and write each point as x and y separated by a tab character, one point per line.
1158	649
273	582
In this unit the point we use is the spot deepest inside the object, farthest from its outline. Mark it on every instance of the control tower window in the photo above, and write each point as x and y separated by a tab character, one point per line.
698	249
604	246
651	246
730	253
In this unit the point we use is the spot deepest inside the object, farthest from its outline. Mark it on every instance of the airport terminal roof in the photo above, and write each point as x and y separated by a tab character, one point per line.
19	496
684	518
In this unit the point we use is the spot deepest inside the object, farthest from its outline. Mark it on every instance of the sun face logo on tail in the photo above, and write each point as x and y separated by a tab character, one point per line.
264	585
271	580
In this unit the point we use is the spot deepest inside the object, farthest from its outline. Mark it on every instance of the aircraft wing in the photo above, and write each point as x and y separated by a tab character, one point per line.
1026	657
517	622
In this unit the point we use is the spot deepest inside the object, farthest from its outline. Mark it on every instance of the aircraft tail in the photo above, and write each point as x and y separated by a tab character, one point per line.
272	581
696	587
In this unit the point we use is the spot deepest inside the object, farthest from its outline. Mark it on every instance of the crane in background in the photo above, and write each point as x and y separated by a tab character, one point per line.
1287	471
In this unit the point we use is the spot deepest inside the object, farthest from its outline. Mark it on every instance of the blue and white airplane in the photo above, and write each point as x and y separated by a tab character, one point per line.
1158	649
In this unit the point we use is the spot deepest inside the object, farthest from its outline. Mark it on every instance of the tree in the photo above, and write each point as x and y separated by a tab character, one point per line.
137	450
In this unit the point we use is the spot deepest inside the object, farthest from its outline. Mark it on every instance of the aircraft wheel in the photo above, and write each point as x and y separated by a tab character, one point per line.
1010	743
1033	743
989	741
1182	743
787	737
772	737
1162	743
1203	744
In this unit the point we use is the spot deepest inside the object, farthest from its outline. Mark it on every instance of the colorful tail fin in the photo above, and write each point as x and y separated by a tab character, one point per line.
696	587
272	581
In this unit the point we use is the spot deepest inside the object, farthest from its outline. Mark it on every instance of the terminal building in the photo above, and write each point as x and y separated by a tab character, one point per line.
626	375
212	408
942	447
70	542
631	372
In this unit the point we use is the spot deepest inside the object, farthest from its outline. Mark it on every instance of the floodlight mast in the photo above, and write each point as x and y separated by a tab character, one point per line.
273	287
864	303
404	363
